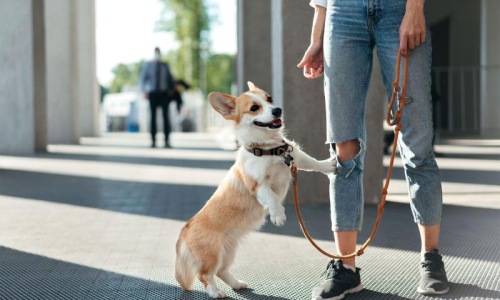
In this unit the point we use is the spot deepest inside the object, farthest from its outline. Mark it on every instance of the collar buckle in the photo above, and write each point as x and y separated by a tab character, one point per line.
280	151
257	151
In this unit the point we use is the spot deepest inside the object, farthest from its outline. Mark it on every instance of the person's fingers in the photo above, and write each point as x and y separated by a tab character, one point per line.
403	44
416	40
312	73
304	61
309	74
318	72
423	36
411	42
306	72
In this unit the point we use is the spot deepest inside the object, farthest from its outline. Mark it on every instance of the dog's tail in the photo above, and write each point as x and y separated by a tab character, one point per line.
184	265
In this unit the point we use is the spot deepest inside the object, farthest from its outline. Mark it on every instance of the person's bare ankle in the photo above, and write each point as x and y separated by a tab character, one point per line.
350	262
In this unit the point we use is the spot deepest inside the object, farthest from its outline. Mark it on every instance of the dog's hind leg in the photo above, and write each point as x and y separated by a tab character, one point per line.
208	281
210	264
234	283
227	261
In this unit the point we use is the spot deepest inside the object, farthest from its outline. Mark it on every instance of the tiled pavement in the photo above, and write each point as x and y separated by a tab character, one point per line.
99	220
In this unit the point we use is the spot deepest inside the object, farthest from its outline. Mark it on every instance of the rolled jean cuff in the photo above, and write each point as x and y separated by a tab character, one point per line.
346	228
346	192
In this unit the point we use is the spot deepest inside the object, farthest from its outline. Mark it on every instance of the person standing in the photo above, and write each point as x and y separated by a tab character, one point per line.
157	83
344	33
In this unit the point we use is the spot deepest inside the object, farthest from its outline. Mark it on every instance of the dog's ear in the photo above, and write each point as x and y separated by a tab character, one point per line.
223	103
251	86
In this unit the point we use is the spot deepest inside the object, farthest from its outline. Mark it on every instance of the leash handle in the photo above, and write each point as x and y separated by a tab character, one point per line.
396	120
398	93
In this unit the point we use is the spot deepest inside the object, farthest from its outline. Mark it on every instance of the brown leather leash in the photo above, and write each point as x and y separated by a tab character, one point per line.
398	94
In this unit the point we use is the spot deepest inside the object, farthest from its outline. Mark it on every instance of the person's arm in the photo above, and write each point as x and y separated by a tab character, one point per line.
170	79
412	31
178	100
312	62
143	78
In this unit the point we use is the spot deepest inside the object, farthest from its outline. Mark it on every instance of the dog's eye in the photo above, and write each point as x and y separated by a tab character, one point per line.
270	99
254	108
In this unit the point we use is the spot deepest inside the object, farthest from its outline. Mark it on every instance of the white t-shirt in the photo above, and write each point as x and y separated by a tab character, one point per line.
313	3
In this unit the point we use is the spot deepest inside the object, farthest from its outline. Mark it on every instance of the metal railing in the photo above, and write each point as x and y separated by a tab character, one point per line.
457	96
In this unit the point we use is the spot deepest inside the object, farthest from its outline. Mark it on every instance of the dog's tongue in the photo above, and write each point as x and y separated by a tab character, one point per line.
276	122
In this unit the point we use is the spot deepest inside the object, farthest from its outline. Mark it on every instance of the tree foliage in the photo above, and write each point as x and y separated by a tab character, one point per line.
221	71
125	75
190	22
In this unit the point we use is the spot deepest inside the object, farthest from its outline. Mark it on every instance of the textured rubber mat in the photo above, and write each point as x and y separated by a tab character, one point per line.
277	263
80	236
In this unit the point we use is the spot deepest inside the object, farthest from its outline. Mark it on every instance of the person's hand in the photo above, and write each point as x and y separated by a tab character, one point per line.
412	31
312	62
146	96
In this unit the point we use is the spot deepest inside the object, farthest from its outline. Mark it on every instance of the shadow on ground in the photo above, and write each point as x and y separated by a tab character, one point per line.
466	231
29	276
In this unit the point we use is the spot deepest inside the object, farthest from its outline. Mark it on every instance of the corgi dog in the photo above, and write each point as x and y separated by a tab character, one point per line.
255	186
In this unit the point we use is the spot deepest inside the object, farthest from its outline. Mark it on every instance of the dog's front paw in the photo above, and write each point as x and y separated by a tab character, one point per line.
328	165
239	285
278	218
216	294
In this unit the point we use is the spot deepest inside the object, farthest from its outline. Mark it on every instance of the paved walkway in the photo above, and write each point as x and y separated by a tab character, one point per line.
99	220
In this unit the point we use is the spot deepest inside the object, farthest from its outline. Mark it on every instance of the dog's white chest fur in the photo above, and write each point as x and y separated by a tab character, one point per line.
270	171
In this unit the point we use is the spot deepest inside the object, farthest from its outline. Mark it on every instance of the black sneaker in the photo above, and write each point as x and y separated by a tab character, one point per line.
339	282
433	280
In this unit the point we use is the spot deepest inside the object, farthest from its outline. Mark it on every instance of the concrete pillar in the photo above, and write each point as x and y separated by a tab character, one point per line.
86	87
254	44
304	104
17	76
490	74
39	69
303	99
47	73
72	89
61	78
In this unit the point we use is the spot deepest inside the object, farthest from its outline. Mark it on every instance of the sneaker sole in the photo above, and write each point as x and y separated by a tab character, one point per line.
432	291
359	288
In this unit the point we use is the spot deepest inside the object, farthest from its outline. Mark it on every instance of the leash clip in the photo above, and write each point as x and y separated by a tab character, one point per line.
287	155
398	97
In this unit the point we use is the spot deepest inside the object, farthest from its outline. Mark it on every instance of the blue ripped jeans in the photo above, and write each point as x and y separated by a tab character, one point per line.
352	29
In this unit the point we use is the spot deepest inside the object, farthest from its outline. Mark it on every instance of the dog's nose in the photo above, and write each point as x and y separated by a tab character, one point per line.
276	112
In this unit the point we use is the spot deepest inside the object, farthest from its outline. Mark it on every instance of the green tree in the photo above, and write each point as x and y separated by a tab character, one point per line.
221	70
190	22
125	75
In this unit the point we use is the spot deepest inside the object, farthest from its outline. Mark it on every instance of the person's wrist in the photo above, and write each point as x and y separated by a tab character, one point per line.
415	4
316	43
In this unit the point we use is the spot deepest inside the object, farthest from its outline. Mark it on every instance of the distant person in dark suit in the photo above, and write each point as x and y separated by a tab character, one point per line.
157	83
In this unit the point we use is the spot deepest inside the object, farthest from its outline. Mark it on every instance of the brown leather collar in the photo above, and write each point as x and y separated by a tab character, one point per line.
279	151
